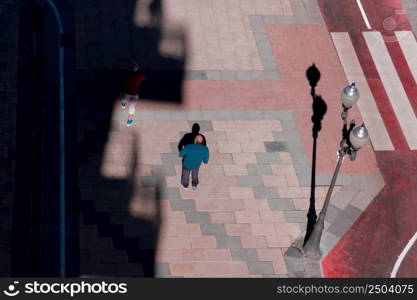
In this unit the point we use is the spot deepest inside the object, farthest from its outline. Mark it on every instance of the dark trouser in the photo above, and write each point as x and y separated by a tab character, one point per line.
185	177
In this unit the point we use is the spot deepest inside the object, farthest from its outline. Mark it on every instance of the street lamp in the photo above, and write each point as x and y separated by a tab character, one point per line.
353	139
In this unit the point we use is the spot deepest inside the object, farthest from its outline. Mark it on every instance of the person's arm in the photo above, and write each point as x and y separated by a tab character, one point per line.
181	143
183	152
206	158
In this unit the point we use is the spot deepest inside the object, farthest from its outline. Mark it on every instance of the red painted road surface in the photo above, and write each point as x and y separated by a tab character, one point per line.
371	247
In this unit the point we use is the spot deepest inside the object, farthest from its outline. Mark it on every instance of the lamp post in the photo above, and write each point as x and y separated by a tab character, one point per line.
352	140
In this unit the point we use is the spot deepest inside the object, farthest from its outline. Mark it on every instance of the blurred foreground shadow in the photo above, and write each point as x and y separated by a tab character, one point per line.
114	241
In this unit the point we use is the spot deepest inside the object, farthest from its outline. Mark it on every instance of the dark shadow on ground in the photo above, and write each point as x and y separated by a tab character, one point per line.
319	110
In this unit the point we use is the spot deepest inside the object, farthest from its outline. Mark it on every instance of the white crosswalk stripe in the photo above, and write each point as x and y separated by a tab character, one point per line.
370	114
393	87
408	45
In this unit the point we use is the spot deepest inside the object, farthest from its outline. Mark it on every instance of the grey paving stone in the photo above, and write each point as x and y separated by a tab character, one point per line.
267	158
295	216
257	75
214	75
259	169
164	170
204	125
294	264
276	146
171	194
221	115
250	181
265	192
163	115
270	71
197	217
281	204
244	254
213	229
343	197
177	115
143	115
195	75
332	213
312	268
243	75
340	226
228	242
162	270
293	252
327	242
228	75
270	19
247	115
261	267
352	212
183	205
193	115
279	135
170	159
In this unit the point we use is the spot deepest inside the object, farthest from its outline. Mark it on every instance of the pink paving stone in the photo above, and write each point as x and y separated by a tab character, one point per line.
238	229
209	170
205	192
256	204
253	147
144	170
244	158
215	135
231	204
264	229
221	159
187	229
283	169
285	157
238	135
272	216
291	192
229	147
203	204
150	158
292	180
222	217
280	267
213	147
174	217
247	217
254	241
178	269
235	170
223	125
203	242
172	181
168	255
224	268
274	181
193	254
218	254
241	193
175	243
301	203
292	229
278	240
261	135
168	230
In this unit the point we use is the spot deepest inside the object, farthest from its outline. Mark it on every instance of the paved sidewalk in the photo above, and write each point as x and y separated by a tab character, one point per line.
249	93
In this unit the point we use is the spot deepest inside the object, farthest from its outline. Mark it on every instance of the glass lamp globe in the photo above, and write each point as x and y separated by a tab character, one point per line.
359	137
349	95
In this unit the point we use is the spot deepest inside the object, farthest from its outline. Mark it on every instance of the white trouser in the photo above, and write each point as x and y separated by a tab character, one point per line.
133	100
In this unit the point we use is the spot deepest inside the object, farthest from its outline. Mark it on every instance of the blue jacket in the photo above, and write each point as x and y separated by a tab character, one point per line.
194	154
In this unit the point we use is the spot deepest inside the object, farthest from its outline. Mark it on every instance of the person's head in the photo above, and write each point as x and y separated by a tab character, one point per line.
198	140
196	128
135	67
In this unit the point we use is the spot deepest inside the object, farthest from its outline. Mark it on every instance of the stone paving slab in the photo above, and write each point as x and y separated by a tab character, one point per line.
231	211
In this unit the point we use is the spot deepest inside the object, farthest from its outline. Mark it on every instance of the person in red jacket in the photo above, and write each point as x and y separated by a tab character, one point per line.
130	91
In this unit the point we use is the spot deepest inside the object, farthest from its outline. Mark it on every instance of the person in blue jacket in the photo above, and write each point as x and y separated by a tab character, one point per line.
193	155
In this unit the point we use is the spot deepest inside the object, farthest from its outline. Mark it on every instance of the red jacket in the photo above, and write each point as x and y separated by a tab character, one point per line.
133	83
